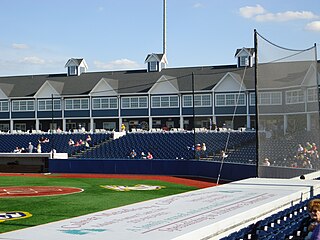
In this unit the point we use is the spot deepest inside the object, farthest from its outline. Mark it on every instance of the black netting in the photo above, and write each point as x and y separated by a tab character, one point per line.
287	109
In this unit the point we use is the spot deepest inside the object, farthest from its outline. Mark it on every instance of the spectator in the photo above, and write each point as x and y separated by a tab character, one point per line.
17	150
143	155
223	154
30	147
149	156
314	226
71	142
266	162
123	127
39	148
43	139
133	154
204	150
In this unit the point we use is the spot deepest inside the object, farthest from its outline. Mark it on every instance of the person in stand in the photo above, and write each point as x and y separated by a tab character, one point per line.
198	151
149	156
71	142
39	148
266	162
143	155
17	150
30	147
123	127
204	150
133	154
314	226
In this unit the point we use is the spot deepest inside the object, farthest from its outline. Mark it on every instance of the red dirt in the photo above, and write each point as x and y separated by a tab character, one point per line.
178	180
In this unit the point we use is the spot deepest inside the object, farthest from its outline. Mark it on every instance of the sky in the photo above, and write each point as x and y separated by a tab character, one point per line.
39	36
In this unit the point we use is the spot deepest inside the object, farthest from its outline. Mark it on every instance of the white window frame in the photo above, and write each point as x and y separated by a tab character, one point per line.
4	106
73	70
48	104
244	61
153	66
104	103
135	102
83	104
198	100
312	94
252	100
295	96
230	99
162	101
269	98
29	105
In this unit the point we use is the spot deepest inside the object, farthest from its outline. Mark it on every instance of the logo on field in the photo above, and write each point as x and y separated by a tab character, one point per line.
6	216
138	187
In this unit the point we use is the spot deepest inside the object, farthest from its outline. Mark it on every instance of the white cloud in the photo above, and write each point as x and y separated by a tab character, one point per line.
259	14
313	26
249	11
19	46
285	16
117	64
33	60
198	5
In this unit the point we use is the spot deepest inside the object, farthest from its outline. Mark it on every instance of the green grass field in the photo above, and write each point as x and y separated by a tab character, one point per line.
94	198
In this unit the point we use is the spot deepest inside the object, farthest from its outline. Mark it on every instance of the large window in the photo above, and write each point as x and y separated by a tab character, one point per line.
165	101
312	94
46	105
22	105
105	103
134	102
200	100
73	70
252	99
153	66
77	104
230	99
270	98
295	96
244	61
4	106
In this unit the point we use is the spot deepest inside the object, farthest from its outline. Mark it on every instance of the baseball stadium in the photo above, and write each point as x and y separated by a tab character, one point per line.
194	153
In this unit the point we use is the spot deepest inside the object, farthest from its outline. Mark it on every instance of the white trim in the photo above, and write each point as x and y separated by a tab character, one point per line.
236	102
130	102
20	101
101	98
74	99
163	96
197	95
295	99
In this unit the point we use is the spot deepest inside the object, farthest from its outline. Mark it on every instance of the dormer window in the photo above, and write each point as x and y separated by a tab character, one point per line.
156	62
245	57
73	70
76	66
153	66
244	61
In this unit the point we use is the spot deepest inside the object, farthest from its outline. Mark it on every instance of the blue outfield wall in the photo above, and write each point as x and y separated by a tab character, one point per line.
191	168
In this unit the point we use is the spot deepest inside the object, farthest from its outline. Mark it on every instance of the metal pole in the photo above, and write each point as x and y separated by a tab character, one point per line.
256	99
193	118
51	128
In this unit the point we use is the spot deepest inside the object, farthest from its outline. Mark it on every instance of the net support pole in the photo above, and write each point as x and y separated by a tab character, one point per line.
193	117
256	99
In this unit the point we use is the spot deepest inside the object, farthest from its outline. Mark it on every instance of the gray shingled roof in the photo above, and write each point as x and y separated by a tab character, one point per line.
140	81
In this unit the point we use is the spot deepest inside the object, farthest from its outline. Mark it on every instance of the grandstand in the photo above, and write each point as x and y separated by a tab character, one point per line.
168	112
